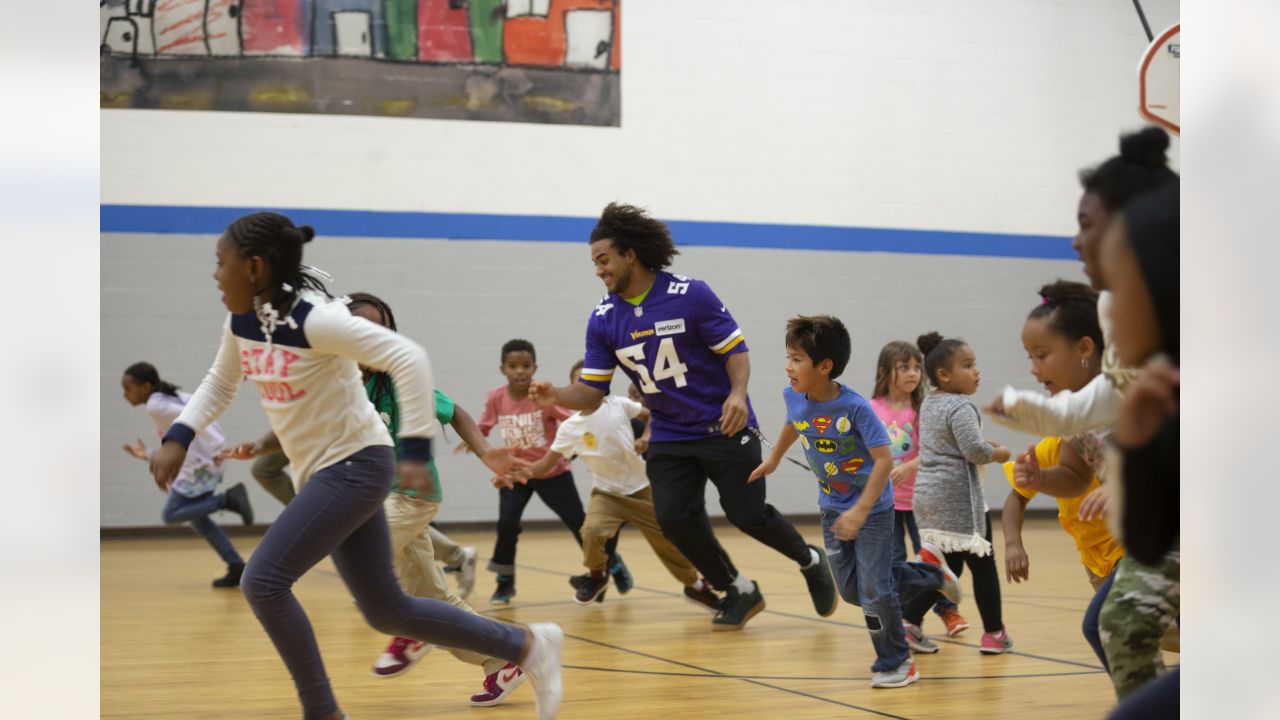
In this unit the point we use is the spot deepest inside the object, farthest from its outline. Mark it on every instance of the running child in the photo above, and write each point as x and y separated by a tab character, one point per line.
899	389
301	350
528	429
191	495
848	450
949	503
620	493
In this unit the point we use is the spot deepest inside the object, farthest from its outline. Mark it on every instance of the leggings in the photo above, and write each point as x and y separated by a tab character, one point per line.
986	586
339	512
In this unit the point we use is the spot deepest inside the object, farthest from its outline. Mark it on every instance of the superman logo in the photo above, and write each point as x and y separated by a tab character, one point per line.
822	423
800	425
824	445
851	465
841	487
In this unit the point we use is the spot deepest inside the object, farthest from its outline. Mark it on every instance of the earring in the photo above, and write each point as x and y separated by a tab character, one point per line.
1084	362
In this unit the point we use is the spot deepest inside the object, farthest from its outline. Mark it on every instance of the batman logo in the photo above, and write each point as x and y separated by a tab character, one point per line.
824	445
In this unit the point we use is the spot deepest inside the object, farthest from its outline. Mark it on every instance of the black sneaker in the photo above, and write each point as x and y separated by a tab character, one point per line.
621	575
704	597
232	578
737	608
592	590
238	503
822	589
577	581
506	590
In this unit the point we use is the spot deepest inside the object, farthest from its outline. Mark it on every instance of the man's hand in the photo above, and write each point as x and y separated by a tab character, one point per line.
733	417
542	393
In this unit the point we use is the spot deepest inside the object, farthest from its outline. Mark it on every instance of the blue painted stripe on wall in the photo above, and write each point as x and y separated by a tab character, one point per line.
555	228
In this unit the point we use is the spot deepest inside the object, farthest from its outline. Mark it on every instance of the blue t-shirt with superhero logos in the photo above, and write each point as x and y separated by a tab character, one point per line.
673	346
837	437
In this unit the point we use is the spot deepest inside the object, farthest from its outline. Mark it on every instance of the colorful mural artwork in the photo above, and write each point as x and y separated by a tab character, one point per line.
544	61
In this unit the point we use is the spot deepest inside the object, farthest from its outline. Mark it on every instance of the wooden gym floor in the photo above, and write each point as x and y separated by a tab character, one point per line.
173	647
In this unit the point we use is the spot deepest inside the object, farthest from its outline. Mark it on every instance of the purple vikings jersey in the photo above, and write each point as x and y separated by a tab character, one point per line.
673	346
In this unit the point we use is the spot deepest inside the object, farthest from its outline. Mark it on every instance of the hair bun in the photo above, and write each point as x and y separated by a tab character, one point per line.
1146	147
1064	291
928	342
307	232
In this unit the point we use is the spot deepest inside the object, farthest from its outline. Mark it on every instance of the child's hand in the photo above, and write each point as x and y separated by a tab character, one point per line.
1095	504
899	474
166	461
1017	564
995	407
642	445
542	393
500	461
1026	470
139	451
850	523
416	475
768	467
1000	453
243	451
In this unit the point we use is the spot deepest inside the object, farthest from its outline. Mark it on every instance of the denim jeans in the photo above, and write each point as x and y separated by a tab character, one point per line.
1090	626
866	575
904	523
180	508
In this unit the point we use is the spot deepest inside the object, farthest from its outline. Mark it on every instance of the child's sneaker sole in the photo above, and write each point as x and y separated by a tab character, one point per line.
911	677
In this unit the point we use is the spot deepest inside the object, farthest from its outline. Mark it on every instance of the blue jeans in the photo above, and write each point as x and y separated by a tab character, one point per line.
904	523
180	508
339	512
1090	626
866	575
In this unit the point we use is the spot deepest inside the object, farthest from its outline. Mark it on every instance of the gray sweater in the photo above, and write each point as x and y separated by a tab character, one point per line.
949	505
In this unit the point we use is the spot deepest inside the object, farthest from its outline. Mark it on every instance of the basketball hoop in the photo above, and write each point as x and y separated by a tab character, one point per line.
1158	78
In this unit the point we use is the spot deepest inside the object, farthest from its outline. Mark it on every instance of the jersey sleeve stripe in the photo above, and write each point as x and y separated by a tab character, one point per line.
597	378
728	343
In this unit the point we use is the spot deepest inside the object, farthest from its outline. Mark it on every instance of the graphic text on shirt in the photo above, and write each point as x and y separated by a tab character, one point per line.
522	431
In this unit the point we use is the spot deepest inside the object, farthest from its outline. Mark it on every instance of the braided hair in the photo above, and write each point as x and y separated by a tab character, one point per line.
145	372
382	385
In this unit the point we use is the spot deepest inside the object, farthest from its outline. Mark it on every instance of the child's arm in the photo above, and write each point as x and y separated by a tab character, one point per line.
1096	405
1069	478
968	435
850	521
264	445
900	473
786	439
1017	564
545	463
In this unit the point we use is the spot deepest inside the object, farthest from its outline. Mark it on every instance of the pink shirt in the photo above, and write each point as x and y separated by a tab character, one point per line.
523	426
904	442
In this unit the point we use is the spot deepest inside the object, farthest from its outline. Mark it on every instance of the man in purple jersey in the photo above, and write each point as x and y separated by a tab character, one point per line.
682	349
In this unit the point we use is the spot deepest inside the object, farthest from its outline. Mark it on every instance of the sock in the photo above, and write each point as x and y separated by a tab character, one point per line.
698	585
743	584
813	559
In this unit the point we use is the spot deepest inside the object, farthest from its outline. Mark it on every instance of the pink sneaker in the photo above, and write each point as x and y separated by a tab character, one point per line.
498	686
996	643
399	656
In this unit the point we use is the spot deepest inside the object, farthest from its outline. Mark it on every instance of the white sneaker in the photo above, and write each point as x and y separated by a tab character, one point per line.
917	640
467	572
543	668
902	676
930	555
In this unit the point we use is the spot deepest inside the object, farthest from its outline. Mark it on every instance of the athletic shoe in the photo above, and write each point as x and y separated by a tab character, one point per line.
737	608
703	596
498	686
238	502
955	622
996	643
917	640
577	581
822	589
902	676
930	555
506	590
399	656
543	668
232	578
467	572
592	590
621	575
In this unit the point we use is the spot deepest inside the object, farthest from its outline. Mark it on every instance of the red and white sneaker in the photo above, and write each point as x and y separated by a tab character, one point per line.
399	656
996	643
954	621
930	554
498	686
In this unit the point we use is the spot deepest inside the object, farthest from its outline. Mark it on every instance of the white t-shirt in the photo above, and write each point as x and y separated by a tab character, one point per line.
199	473
605	442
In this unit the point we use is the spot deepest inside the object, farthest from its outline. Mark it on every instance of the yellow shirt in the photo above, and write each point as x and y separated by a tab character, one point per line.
1099	550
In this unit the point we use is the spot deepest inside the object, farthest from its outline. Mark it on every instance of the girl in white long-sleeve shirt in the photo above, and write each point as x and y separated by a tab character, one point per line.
301	351
191	496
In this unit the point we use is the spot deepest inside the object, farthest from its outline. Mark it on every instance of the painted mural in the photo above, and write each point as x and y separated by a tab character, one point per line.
544	61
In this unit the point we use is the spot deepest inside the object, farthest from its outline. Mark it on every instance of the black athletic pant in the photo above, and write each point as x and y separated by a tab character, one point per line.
561	495
678	473
986	587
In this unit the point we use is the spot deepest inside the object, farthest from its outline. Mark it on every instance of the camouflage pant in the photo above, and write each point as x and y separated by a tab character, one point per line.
1144	600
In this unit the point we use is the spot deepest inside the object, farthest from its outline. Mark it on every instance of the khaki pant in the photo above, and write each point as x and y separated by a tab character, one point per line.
447	551
1094	581
607	512
415	560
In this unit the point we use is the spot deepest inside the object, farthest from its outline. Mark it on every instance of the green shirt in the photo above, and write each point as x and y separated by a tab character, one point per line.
388	410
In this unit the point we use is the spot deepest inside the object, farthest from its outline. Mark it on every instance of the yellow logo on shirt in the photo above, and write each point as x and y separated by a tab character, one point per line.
824	445
800	425
589	439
